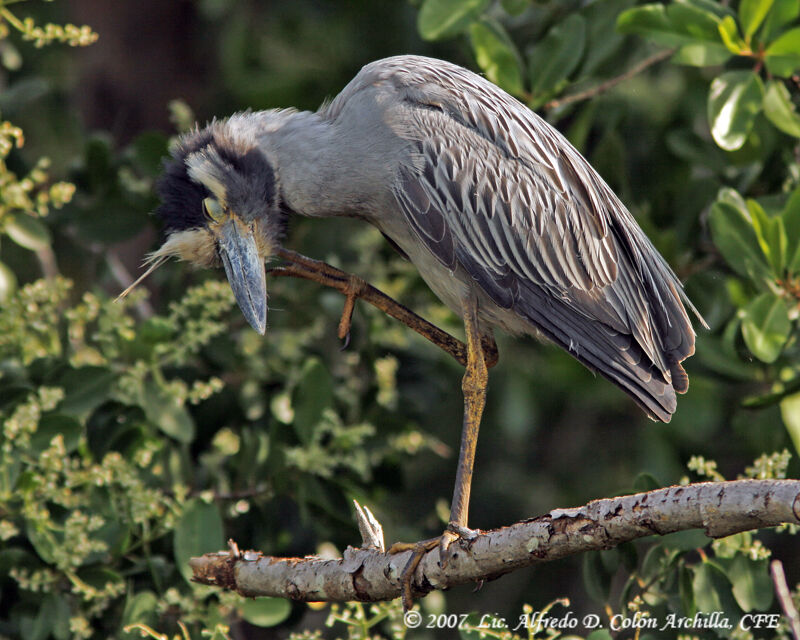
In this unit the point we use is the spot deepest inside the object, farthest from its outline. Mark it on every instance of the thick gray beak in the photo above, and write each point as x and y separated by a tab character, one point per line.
245	270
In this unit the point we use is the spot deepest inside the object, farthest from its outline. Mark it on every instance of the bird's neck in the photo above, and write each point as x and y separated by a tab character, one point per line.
321	169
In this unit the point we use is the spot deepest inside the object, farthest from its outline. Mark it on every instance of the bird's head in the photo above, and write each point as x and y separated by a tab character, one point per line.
220	206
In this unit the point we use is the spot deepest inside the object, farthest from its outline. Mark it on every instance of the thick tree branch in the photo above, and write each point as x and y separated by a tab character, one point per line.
719	508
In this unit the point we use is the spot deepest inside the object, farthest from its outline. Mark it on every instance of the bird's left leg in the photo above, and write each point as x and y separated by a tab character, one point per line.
480	348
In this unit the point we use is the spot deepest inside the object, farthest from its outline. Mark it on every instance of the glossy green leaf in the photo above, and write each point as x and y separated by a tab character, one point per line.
766	326
783	55
780	110
313	394
733	234
167	413
752	585
694	22
729	33
557	55
199	531
674	25
266	612
440	19
8	282
752	14
734	101
28	232
497	55
790	412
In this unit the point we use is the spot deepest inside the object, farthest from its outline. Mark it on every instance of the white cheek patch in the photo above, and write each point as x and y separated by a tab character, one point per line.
196	246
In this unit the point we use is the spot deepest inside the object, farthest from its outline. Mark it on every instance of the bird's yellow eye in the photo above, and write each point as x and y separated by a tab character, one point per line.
213	209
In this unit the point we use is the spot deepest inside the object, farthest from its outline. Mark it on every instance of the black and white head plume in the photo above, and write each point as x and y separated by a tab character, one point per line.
220	206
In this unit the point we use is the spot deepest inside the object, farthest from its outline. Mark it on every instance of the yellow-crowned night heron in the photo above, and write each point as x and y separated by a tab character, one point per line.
503	218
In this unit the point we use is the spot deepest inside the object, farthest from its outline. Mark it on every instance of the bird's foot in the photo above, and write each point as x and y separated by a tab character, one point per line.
354	289
444	542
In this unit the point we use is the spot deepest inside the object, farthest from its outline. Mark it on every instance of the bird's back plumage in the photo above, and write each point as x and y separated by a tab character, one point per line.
495	192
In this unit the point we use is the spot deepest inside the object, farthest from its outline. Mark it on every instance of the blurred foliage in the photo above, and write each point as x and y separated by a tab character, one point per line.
137	434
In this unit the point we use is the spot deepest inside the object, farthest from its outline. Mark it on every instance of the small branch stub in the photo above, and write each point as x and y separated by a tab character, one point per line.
369	574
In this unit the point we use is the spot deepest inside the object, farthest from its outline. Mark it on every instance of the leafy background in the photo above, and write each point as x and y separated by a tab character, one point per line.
138	434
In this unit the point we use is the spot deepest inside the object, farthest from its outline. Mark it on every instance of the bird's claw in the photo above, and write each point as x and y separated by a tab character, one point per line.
444	542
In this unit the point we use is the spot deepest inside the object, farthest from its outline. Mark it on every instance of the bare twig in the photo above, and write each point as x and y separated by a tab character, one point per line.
720	508
47	262
611	82
369	527
785	597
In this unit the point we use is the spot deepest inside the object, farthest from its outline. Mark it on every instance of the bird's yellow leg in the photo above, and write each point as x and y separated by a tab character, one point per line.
476	377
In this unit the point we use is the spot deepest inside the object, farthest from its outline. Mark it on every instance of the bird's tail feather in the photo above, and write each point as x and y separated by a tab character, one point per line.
615	356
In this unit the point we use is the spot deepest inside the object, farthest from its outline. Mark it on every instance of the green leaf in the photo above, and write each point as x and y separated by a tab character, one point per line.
686	591
783	55
140	609
694	22
557	55
771	236
766	326
497	55
780	110
596	578
733	103
28	232
729	33
733	234
752	585
44	542
166	412
52	425
602	37
85	389
702	54
314	394
752	14
673	26
440	19
712	589
266	612
599	634
8	283
646	482
783	12
790	412
515	7
791	224
198	531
